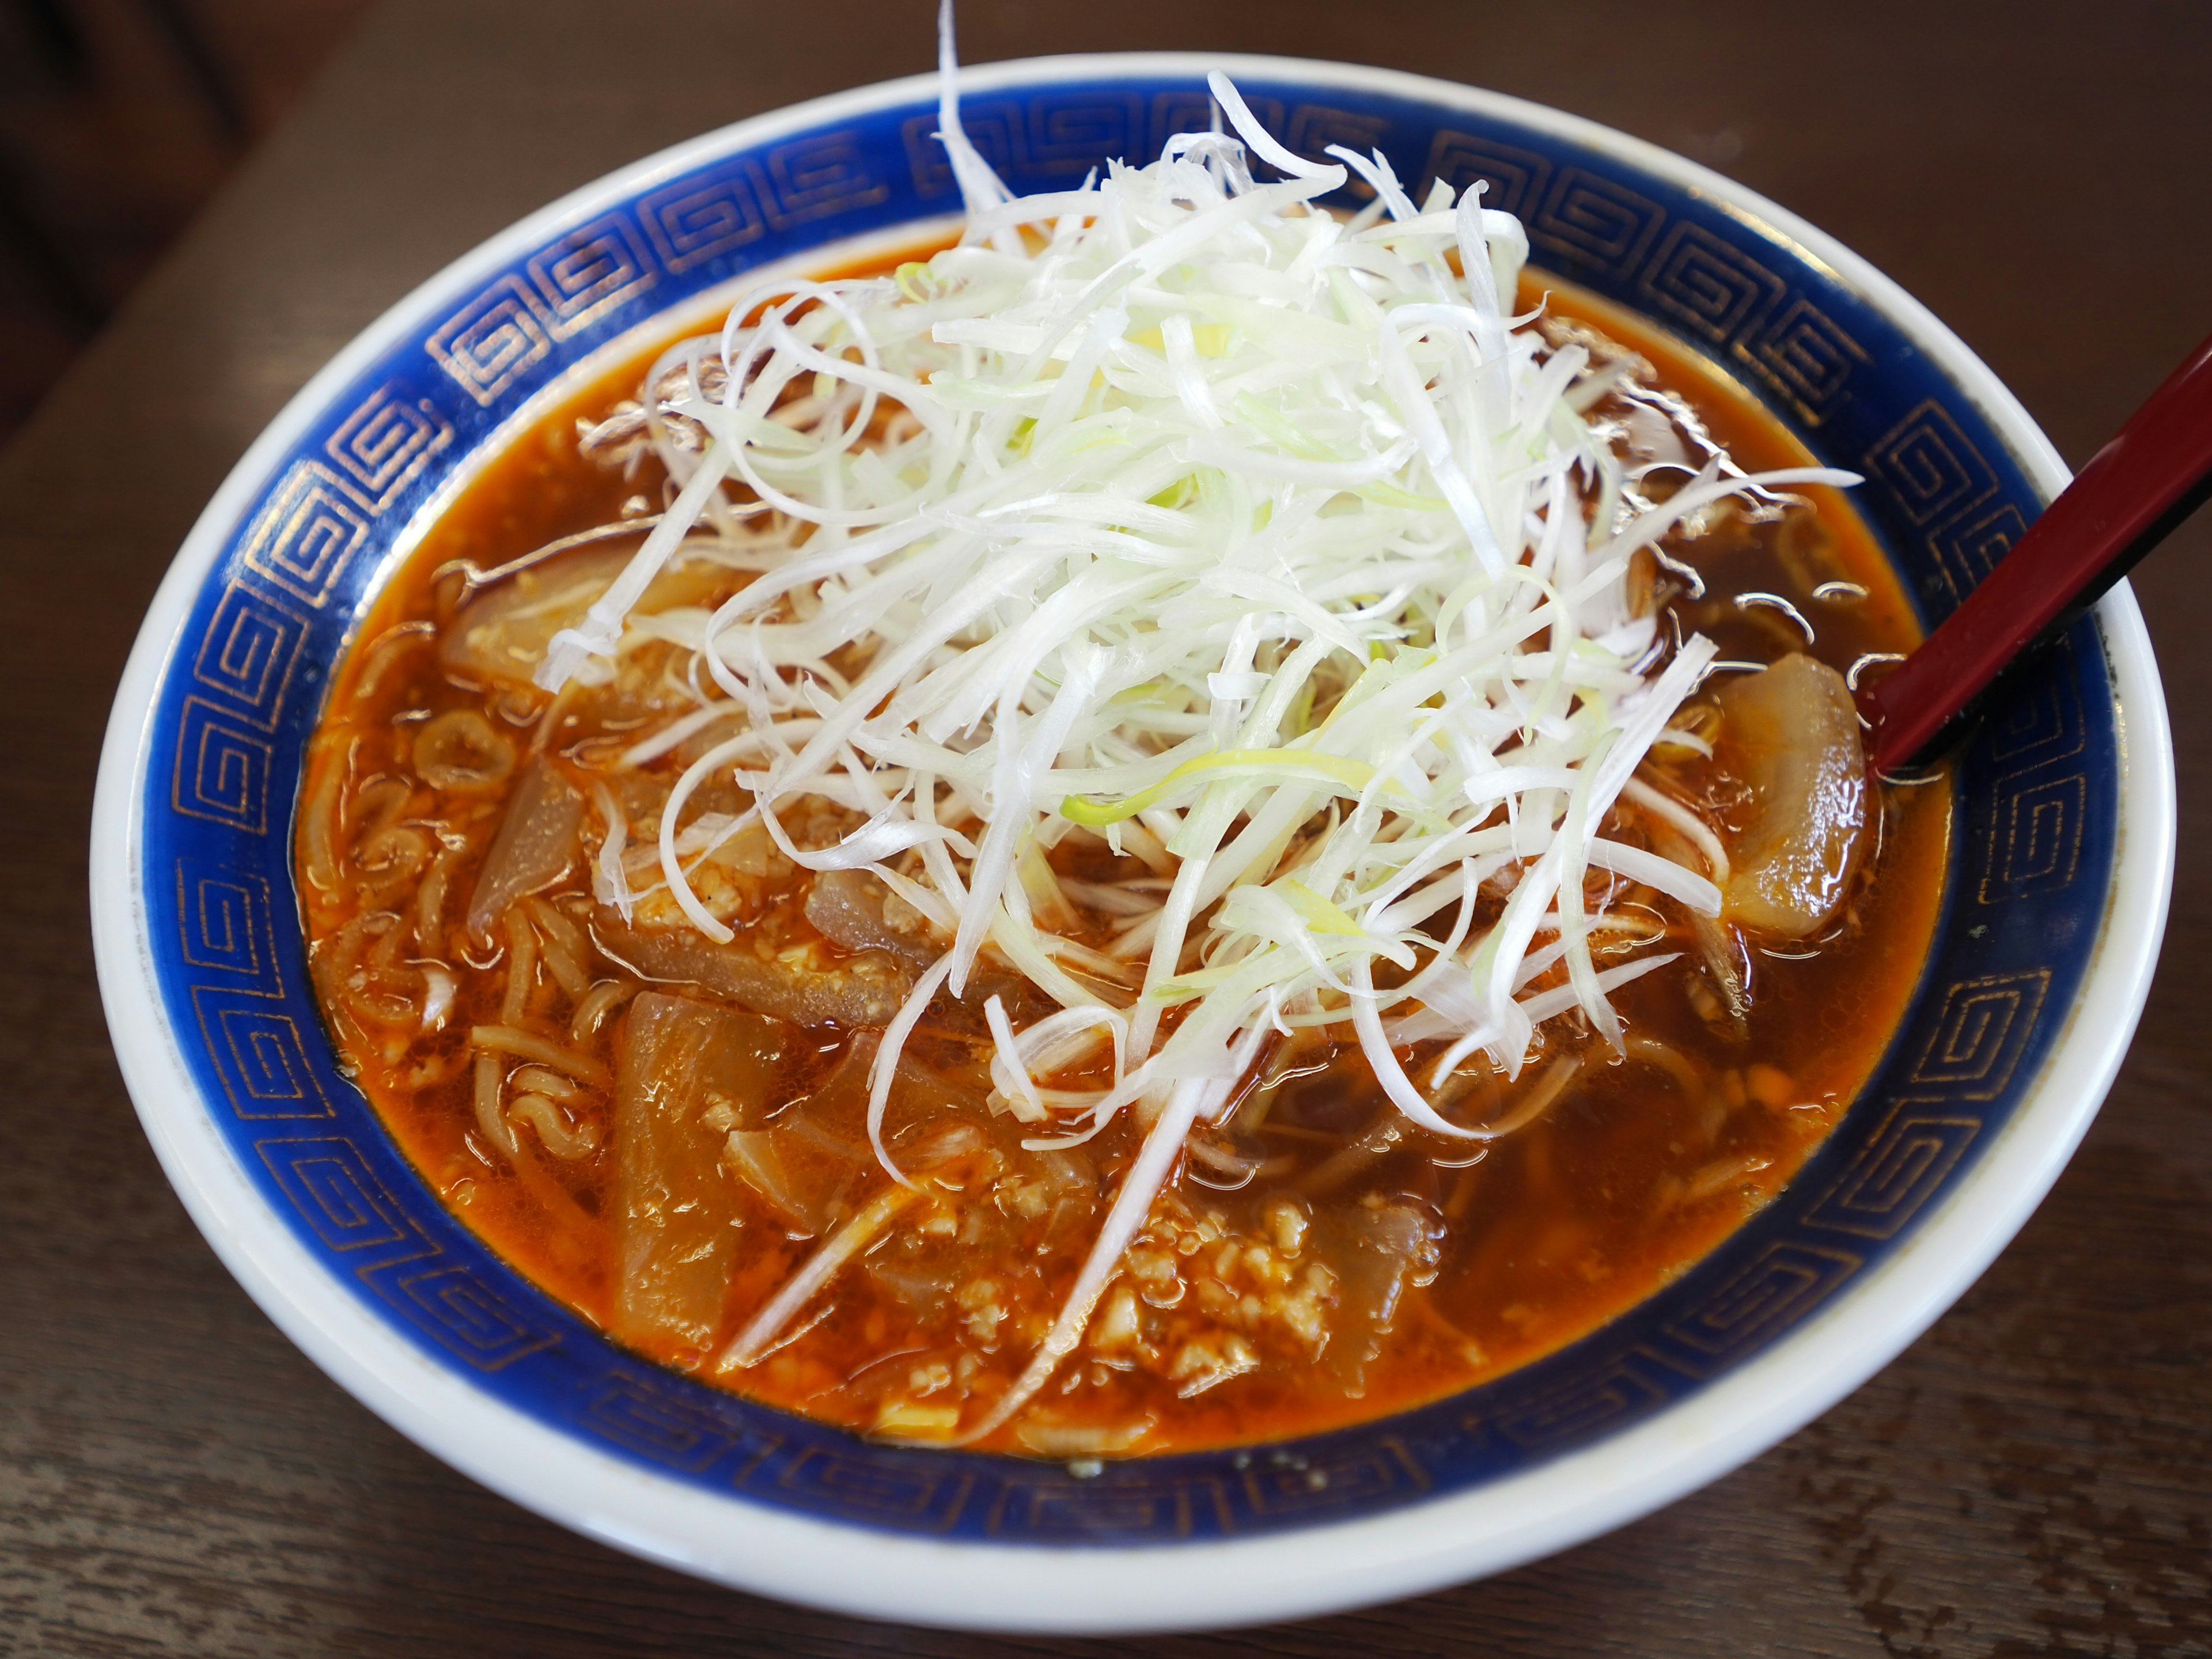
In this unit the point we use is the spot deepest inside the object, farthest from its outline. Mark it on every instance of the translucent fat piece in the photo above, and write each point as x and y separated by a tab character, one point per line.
1377	1254
534	847
847	907
502	629
686	1074
1790	732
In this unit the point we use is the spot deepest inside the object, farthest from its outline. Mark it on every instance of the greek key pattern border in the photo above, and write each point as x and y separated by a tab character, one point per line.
244	683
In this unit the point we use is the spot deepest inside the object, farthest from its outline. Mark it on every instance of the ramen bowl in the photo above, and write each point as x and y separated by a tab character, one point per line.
2061	849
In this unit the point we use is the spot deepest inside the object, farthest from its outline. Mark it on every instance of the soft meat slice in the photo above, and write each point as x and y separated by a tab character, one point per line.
686	1074
504	626
1379	1250
803	1164
865	989
534	847
850	908
1791	732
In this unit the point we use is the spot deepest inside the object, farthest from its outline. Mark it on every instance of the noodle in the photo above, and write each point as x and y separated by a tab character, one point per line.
430	897
595	1005
561	946
490	1123
560	1139
528	1045
318	823
521	968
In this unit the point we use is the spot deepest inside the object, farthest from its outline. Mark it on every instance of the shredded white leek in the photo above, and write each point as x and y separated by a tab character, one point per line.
1176	510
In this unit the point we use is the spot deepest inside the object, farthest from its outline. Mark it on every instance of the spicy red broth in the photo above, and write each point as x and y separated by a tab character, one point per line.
676	1126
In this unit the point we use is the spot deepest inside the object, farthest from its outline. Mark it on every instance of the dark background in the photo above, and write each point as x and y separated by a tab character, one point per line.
118	118
2033	1477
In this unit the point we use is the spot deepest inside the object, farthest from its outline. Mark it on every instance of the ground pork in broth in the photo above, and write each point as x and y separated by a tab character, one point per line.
662	1131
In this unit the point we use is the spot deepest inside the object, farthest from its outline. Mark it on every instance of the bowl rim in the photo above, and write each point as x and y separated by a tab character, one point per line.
1109	1589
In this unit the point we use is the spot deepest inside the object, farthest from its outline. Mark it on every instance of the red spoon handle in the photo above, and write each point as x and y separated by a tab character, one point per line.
2134	490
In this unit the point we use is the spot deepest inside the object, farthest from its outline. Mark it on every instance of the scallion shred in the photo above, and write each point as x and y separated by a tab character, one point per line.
1176	505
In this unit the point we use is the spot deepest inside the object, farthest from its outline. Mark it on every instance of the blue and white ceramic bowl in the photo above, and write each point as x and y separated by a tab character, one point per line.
2062	846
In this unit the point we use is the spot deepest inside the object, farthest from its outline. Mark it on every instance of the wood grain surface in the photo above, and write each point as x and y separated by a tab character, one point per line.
2032	1477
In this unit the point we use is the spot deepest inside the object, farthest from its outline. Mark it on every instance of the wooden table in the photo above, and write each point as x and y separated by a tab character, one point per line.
2033	1477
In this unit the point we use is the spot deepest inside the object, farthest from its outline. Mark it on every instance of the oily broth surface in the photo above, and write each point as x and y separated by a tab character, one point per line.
1622	1185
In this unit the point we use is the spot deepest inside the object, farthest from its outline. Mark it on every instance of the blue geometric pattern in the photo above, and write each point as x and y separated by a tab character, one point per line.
2034	838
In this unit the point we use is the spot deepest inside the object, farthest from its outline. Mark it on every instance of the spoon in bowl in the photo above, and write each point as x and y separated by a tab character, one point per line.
2132	494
